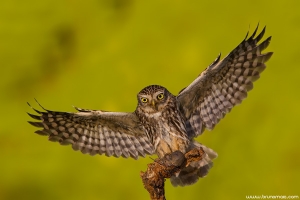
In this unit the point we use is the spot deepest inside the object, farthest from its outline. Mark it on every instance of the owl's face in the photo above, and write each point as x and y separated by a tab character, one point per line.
153	99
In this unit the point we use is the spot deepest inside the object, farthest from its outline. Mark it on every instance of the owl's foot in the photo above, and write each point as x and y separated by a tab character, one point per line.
167	167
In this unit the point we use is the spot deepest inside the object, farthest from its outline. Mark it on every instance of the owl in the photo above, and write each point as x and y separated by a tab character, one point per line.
162	122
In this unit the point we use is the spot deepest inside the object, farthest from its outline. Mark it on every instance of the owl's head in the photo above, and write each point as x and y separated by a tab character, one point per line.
154	98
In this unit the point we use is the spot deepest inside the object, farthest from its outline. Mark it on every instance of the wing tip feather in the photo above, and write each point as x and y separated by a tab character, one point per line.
261	34
267	56
36	124
254	33
34	116
42	132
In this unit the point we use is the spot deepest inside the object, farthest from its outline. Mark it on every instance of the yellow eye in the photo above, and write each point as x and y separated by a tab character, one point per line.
160	96
144	100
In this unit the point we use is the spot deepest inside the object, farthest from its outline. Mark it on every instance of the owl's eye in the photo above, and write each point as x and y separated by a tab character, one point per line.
160	96
144	100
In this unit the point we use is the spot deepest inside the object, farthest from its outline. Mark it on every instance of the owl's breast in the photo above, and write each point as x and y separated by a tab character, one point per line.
170	137
165	129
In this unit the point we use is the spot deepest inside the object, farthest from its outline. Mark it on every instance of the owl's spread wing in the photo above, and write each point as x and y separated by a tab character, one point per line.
95	132
223	84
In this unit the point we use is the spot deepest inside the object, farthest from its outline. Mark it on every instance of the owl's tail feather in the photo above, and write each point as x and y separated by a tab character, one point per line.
190	174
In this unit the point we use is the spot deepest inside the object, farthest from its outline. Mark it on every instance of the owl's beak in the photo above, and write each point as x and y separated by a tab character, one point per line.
153	103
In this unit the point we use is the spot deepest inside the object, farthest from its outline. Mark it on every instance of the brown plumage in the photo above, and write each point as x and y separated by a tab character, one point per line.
163	123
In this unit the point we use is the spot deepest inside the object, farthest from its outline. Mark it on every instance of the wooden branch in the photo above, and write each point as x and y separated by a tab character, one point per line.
160	169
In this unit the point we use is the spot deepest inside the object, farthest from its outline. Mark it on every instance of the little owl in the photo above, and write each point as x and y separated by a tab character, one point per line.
162	122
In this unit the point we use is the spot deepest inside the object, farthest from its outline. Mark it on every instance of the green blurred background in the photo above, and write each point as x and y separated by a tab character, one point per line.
100	54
